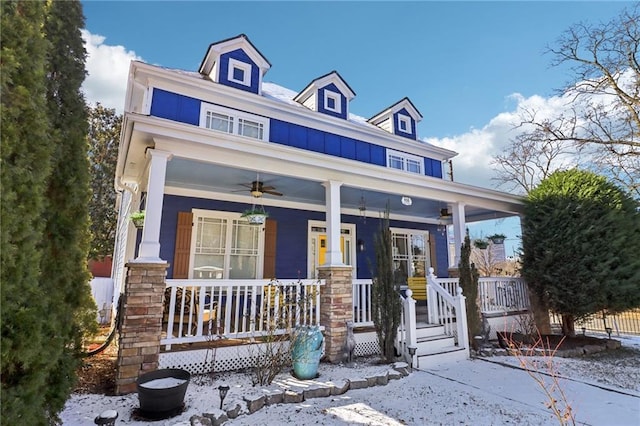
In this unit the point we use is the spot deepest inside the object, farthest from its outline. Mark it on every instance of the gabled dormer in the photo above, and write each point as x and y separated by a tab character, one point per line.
328	94
399	119
237	63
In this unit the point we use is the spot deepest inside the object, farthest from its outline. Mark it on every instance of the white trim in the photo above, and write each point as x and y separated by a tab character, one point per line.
405	158
407	121
337	99
230	217
223	196
244	67
351	236
191	142
409	232
237	117
291	112
186	141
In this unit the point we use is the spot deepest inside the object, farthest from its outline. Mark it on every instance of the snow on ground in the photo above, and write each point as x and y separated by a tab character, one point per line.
602	390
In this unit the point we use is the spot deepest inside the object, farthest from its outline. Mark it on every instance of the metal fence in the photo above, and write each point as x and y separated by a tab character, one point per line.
624	323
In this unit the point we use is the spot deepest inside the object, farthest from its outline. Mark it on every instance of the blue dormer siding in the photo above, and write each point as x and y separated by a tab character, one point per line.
411	133
321	102
241	56
175	107
185	109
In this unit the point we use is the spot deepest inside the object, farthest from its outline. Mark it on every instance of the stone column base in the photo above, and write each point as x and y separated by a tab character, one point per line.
141	325
336	308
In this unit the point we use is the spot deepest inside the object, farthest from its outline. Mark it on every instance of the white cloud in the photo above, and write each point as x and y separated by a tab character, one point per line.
478	147
107	68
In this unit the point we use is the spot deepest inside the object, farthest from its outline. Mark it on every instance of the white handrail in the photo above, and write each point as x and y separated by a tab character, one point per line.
447	309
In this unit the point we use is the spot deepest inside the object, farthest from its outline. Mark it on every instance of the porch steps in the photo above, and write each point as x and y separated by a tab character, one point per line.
435	347
447	355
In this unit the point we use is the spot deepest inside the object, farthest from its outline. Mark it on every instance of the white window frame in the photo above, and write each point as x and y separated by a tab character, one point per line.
407	122
238	118
337	100
406	160
246	68
410	256
315	228
229	217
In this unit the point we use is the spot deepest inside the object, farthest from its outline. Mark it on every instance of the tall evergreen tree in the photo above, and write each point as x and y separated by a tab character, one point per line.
25	153
104	136
581	245
66	242
385	298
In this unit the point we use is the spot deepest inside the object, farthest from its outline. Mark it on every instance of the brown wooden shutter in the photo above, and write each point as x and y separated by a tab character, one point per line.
270	235
183	245
432	254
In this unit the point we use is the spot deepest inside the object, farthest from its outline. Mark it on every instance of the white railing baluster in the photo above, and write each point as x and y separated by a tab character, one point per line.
237	308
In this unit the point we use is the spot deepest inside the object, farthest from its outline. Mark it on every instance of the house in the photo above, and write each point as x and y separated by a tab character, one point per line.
198	148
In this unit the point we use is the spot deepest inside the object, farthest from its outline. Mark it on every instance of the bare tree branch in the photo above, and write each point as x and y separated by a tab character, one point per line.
602	118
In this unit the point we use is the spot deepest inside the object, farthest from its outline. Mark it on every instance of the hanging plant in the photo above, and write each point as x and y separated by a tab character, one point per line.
137	218
481	244
255	215
497	238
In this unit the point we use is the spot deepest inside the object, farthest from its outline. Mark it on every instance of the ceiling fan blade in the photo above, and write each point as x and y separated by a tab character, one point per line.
279	194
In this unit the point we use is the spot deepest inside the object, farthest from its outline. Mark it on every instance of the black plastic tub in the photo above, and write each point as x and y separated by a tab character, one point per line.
161	392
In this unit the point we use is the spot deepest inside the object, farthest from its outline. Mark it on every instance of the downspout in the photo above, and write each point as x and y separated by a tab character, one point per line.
115	325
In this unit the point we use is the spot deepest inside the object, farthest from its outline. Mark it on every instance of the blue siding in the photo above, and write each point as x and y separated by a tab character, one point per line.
279	132
185	109
292	242
241	56
413	135
175	107
348	148
332	144
378	155
363	152
316	140
298	137
433	167
343	102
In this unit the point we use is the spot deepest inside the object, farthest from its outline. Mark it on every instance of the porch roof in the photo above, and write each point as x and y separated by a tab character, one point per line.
205	165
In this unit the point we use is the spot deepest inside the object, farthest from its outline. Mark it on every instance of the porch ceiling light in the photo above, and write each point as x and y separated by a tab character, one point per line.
407	201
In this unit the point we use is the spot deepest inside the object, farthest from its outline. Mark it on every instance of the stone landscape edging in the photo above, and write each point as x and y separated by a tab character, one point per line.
261	398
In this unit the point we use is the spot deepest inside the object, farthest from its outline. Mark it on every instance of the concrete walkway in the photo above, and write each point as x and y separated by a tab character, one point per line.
592	403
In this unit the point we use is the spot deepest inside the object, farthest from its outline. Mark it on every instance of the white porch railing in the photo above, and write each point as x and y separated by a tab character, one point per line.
362	303
502	295
199	310
445	306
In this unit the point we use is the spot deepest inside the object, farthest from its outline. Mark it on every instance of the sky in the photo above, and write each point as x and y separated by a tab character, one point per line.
468	67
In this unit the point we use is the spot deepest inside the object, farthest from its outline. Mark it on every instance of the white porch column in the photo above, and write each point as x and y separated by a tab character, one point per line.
332	204
459	230
149	249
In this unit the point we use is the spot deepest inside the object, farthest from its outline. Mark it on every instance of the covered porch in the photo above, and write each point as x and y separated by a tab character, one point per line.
327	211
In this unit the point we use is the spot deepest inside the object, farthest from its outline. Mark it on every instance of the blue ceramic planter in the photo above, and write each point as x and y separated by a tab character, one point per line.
306	350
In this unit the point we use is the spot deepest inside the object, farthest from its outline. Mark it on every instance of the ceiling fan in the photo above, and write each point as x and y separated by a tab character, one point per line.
257	188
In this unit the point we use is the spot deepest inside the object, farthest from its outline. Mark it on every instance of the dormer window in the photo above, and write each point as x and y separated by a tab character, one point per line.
332	101
239	72
404	123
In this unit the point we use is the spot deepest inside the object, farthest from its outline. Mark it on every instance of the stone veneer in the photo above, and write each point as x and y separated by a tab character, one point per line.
336	308
141	324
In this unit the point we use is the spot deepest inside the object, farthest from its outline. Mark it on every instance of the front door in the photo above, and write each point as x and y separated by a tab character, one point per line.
318	246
